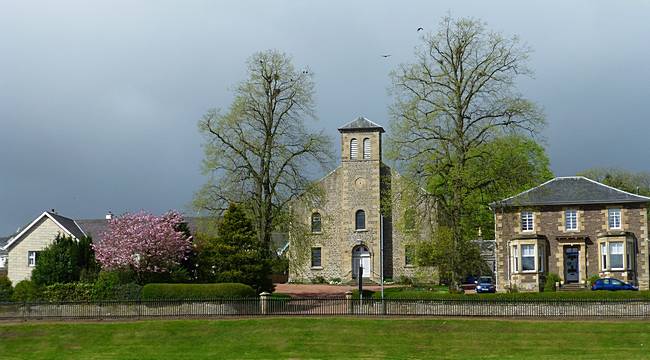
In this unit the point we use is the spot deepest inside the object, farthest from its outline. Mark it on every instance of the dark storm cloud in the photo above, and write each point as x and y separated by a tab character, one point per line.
99	100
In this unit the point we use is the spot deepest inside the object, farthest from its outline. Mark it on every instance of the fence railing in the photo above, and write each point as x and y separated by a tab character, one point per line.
266	306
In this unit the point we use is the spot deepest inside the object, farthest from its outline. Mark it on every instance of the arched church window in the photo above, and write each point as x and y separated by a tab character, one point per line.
316	223
366	149
354	147
360	220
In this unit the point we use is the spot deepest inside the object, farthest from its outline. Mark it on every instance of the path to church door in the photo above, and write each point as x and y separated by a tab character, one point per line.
361	258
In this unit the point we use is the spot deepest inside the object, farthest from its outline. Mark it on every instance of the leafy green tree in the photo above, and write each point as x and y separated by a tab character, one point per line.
516	163
260	152
436	253
457	97
633	182
236	254
65	261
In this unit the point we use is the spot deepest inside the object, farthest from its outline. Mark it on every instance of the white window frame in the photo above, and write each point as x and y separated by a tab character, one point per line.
621	254
529	218
538	256
3	261
366	149
514	259
533	255
614	222
571	222
627	255
31	258
354	149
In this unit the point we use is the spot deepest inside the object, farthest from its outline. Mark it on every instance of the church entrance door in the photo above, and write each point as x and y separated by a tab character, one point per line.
361	258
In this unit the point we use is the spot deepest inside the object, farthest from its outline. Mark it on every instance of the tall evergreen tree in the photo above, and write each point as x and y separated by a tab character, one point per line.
237	254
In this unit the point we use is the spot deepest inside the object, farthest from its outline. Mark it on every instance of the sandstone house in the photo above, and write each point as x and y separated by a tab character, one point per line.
345	226
573	227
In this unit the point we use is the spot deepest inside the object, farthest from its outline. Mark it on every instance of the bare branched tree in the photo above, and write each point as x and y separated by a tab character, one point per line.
260	152
458	95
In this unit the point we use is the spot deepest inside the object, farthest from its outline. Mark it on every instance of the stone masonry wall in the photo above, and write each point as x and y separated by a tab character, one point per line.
592	220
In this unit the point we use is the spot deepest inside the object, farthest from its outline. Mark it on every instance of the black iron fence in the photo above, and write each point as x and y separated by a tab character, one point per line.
265	306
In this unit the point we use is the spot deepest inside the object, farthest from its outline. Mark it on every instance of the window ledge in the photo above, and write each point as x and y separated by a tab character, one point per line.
316	232
361	230
317	268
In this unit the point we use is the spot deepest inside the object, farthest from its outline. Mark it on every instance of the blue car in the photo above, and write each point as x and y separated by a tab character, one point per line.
612	284
485	285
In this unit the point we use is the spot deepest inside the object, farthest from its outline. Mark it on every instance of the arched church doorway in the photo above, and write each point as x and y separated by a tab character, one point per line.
361	258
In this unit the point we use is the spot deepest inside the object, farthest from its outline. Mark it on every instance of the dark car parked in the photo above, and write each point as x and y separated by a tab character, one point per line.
485	285
612	285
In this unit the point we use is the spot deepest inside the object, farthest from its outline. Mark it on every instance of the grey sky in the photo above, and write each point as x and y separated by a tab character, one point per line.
99	100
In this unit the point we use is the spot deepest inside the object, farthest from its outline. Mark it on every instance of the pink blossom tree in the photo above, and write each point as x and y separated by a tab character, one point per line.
143	243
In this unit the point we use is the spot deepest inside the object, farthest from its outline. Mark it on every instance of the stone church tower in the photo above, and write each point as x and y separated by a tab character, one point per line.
345	225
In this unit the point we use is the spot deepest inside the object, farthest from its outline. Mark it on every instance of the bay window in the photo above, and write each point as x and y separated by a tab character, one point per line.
527	257
616	255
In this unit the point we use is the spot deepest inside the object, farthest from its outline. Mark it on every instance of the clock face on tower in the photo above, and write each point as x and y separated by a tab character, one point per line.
360	183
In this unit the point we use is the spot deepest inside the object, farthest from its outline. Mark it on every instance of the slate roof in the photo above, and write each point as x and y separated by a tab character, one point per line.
69	224
93	227
570	190
361	123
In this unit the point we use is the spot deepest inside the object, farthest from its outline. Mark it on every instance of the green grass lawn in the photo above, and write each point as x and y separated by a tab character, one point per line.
280	338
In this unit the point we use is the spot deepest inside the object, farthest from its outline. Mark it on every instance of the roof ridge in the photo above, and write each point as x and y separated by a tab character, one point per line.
597	192
613	188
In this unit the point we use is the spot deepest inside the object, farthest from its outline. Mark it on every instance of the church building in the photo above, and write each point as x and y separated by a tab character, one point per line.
364	210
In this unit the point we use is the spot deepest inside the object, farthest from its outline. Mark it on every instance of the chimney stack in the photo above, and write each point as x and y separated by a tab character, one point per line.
109	216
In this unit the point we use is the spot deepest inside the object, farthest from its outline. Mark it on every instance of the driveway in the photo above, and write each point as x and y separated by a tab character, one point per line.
321	290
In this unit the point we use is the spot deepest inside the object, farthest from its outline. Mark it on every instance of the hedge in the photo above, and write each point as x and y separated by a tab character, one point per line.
196	291
68	292
424	294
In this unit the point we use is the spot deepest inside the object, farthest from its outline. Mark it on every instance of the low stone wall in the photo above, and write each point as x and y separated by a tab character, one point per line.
330	307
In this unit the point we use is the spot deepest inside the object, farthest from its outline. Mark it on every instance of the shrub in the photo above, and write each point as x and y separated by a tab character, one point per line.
318	280
65	260
26	290
404	280
592	279
5	288
116	285
68	292
196	291
551	279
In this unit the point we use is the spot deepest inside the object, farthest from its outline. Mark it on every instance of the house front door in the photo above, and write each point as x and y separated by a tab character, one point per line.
571	264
